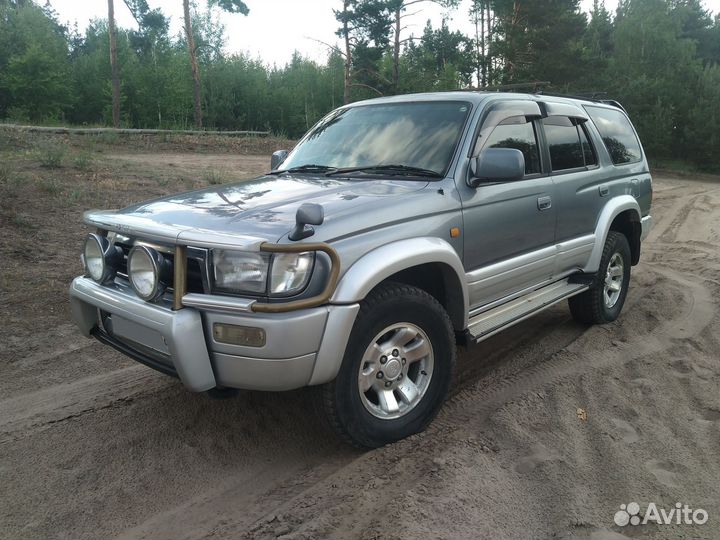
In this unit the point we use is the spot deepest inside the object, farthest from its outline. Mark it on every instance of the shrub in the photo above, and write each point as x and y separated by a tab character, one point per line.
51	156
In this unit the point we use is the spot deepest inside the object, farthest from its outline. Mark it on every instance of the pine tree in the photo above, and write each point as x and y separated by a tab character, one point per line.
114	68
231	6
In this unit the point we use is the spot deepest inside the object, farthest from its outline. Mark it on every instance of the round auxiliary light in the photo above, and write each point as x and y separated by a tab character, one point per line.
145	269
100	258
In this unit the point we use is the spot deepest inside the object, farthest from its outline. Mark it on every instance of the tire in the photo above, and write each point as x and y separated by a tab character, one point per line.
416	345
603	302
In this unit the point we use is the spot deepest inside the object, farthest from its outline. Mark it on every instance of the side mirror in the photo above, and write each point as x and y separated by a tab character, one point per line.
277	159
307	214
497	165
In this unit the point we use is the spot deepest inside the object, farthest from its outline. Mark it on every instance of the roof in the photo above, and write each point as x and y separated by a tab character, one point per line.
475	97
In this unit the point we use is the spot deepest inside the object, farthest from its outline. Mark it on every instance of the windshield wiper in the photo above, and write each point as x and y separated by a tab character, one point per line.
394	170
310	167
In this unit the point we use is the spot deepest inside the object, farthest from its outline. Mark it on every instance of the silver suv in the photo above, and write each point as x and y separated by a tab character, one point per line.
396	228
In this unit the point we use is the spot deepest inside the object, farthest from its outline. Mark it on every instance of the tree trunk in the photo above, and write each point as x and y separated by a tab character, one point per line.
478	18
114	70
192	51
396	50
513	57
489	58
483	49
348	56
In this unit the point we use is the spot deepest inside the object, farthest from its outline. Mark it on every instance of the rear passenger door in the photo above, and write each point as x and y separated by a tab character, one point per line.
578	182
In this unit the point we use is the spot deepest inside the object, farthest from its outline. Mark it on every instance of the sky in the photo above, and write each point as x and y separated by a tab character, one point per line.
276	28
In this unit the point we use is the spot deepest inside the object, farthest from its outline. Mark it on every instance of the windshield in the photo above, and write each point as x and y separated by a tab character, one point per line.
420	135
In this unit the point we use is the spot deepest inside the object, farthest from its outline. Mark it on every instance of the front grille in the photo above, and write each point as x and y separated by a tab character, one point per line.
197	278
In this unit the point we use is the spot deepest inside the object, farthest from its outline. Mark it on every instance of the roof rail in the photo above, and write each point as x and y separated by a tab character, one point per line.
614	103
535	85
587	96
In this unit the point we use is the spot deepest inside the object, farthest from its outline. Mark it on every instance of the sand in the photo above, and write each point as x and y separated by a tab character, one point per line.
551	427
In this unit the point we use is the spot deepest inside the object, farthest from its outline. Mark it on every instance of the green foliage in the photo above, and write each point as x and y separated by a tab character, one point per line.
368	21
78	196
12	182
23	221
654	73
441	60
7	172
660	58
49	186
231	6
108	138
83	161
700	138
50	155
213	177
538	40
33	63
597	48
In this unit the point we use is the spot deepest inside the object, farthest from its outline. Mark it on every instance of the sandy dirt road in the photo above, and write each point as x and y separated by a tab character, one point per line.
94	446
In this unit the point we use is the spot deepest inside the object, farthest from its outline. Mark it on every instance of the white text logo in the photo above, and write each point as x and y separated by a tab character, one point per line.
681	514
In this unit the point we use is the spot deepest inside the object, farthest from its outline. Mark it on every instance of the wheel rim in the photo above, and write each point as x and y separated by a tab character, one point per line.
395	371
614	277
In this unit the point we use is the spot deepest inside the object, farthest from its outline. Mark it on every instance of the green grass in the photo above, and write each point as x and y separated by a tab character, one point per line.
22	221
14	185
83	161
7	172
216	176
76	195
49	186
50	155
108	137
11	179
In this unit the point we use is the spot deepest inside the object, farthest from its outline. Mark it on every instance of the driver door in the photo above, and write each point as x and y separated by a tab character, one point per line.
510	226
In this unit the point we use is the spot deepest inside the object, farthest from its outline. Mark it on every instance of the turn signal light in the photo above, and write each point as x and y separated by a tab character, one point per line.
232	334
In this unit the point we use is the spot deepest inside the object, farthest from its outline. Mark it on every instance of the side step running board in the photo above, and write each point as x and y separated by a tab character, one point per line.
491	322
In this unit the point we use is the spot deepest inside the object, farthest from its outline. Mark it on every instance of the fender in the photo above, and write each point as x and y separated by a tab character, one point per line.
381	263
612	209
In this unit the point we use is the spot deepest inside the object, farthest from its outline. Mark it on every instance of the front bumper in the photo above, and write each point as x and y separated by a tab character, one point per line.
302	347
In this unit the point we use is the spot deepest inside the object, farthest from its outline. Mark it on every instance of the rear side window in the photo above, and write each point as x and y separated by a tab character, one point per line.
521	137
588	152
617	134
563	140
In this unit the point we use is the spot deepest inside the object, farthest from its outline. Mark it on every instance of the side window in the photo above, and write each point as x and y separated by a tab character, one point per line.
511	134
563	140
617	134
588	150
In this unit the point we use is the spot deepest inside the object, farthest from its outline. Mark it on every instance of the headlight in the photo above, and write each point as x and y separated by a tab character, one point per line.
100	258
290	272
239	271
146	271
259	273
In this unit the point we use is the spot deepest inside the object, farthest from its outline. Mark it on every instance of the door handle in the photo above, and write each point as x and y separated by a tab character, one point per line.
544	203
604	190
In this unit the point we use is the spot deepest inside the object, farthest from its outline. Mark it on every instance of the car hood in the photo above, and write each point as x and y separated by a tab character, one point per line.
265	207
